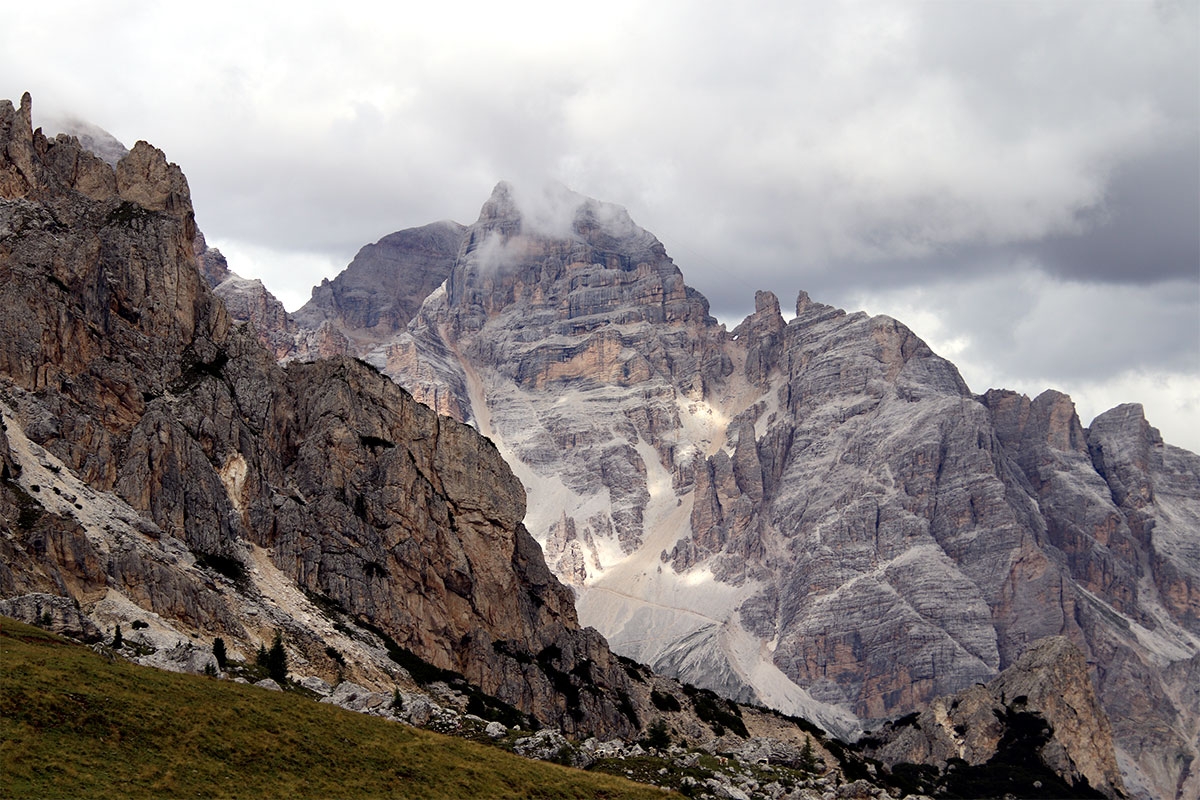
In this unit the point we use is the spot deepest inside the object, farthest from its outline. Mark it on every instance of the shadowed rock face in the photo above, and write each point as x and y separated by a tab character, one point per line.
380	291
1049	680
160	435
816	513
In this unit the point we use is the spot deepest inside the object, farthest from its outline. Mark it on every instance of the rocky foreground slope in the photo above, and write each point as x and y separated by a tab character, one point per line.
813	513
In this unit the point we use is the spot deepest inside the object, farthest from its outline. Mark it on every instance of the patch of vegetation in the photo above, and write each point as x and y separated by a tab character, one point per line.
1017	767
633	669
808	758
228	566
335	655
513	650
914	778
719	713
126	214
561	680
369	365
138	624
811	728
853	765
77	725
664	701
423	673
375	442
494	709
277	661
219	653
626	708
193	369
658	736
421	670
29	510
360	511
583	671
329	607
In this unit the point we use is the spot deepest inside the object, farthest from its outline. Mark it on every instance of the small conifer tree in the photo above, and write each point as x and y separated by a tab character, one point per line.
219	652
658	737
118	639
808	758
277	660
260	658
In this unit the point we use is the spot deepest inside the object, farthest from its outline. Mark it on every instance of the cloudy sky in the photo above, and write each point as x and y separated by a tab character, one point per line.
1019	182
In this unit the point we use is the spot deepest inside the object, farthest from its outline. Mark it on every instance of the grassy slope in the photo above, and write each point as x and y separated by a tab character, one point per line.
73	724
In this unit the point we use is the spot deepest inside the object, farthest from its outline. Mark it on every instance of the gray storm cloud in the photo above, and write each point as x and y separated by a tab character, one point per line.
947	149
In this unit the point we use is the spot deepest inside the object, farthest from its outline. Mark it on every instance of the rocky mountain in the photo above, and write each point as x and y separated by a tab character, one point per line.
247	300
814	513
159	466
380	291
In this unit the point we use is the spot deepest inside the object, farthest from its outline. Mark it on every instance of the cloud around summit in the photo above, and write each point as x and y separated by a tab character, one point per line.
1021	179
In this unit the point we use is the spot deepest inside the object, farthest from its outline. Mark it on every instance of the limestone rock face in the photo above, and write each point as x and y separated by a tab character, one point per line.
1050	680
814	513
159	465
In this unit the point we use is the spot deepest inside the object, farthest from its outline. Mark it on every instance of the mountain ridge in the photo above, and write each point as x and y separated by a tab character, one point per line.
662	456
670	444
128	386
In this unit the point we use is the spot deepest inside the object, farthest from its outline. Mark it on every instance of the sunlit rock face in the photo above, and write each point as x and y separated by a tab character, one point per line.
813	511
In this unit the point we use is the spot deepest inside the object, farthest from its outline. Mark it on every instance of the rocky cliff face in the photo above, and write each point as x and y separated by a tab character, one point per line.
815	513
247	301
158	463
1043	709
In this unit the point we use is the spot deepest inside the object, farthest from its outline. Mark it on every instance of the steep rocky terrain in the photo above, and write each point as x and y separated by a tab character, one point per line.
1068	731
814	513
158	463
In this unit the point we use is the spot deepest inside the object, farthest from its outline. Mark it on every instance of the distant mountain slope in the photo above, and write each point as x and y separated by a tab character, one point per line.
385	284
815	513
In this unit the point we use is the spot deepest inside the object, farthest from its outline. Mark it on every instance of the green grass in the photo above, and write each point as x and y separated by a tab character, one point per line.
74	724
